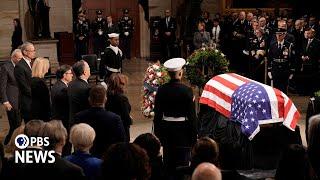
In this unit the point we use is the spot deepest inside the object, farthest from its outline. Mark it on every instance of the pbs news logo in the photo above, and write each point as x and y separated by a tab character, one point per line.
35	154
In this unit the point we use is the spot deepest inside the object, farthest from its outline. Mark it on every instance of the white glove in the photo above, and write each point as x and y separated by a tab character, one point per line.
246	52
270	75
126	33
290	77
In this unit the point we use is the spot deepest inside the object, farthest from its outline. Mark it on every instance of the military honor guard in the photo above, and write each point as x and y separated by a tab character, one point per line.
281	61
81	32
99	33
111	59
175	117
126	27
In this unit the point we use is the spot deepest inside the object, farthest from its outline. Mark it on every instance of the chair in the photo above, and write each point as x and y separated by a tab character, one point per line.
92	61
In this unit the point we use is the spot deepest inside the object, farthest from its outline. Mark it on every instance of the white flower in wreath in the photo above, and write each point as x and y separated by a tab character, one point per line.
152	113
156	67
187	63
222	55
146	112
159	74
151	98
155	82
154	93
216	51
150	76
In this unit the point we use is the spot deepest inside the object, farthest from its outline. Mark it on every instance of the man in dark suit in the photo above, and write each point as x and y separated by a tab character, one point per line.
110	28
239	32
168	27
22	73
107	125
78	89
9	92
175	118
309	60
59	95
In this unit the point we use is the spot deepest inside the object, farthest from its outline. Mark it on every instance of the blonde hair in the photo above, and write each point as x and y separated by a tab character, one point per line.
40	67
56	132
82	136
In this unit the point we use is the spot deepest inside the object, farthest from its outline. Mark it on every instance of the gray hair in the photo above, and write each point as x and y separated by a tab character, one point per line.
25	45
14	52
82	136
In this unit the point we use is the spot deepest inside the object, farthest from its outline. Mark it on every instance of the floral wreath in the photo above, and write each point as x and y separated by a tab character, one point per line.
155	76
205	63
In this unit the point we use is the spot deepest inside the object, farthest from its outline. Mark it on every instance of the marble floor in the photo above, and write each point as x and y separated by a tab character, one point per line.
135	70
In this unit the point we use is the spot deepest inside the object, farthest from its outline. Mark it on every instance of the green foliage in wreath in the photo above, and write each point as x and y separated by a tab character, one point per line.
205	63
317	94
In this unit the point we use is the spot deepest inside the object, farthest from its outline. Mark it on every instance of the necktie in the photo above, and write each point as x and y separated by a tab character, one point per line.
167	21
215	34
279	46
309	42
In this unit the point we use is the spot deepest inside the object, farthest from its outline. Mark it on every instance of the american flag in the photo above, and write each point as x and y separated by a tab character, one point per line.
249	102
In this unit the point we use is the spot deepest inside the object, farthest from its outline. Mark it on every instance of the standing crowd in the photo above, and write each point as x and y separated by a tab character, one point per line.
89	125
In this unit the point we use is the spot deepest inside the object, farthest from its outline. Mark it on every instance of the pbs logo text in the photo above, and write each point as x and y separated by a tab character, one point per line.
31	150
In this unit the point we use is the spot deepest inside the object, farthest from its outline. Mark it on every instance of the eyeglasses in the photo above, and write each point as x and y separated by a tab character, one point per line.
68	73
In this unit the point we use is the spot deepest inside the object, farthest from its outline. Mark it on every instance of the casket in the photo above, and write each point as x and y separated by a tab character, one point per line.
252	122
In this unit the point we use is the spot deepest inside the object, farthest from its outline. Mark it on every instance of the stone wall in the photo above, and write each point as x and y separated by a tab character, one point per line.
9	10
212	6
60	16
60	20
157	7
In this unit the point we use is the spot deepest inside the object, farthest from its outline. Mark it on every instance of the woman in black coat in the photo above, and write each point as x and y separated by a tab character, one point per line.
117	101
16	38
40	105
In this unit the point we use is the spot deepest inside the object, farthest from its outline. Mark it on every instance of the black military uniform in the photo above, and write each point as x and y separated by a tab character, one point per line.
81	31
99	33
126	27
174	122
257	52
111	61
281	63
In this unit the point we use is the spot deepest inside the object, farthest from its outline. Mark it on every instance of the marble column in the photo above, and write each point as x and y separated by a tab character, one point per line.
145	35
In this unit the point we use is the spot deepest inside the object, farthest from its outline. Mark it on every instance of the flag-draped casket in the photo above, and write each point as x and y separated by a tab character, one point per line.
249	102
246	104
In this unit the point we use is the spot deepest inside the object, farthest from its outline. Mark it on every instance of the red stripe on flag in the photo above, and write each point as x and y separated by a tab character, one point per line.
218	93
295	119
216	106
287	108
239	77
280	102
226	83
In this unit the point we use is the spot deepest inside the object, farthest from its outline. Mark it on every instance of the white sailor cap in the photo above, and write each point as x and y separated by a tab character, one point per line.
174	64
113	35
